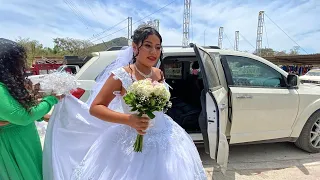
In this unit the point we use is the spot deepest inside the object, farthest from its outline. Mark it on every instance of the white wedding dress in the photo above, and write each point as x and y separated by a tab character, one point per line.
81	147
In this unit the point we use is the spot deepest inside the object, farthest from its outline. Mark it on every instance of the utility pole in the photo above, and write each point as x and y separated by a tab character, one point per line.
259	33
236	43
186	22
220	39
129	30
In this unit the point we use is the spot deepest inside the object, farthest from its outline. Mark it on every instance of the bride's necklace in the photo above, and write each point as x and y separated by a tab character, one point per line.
142	74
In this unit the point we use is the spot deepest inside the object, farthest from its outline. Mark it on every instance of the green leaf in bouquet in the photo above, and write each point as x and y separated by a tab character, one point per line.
127	99
152	102
150	114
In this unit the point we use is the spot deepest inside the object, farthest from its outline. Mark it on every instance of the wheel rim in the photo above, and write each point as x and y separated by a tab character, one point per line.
315	134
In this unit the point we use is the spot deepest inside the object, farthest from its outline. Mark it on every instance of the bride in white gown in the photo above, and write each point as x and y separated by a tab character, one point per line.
94	140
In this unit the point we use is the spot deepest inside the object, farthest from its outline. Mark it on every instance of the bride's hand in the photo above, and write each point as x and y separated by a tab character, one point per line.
139	123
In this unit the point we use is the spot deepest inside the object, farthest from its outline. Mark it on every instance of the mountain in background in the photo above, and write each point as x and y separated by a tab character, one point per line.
121	41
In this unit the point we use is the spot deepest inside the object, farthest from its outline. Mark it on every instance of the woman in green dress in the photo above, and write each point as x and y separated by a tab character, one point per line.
20	146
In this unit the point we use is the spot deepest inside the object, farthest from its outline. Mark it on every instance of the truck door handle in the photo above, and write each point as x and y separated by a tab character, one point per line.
246	96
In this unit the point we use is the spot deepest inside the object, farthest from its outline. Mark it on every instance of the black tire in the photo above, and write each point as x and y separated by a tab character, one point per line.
303	141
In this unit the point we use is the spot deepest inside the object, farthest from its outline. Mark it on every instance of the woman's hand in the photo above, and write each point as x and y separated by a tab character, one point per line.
139	123
60	96
3	123
46	117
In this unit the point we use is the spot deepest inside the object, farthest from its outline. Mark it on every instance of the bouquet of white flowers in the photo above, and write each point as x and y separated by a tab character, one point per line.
146	97
58	83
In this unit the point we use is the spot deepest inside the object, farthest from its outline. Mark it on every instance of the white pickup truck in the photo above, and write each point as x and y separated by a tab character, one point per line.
235	98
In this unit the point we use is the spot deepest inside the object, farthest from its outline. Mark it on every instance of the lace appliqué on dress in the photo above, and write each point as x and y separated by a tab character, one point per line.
123	76
154	139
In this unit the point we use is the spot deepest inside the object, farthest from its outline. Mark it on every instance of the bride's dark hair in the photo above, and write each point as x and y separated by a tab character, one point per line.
140	35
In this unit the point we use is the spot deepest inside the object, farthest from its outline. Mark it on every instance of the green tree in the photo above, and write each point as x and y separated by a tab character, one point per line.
72	46
33	48
271	52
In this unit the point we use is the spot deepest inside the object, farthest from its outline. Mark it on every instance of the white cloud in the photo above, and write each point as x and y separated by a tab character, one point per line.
293	19
45	20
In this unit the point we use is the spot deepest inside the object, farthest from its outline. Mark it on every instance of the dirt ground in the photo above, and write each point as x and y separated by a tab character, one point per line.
276	161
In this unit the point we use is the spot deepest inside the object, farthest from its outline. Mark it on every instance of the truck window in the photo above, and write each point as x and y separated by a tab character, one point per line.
210	70
247	72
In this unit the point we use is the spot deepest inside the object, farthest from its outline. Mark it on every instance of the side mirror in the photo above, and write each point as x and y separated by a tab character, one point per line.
292	80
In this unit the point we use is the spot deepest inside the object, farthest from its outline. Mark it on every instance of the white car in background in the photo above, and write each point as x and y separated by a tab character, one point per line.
238	98
312	76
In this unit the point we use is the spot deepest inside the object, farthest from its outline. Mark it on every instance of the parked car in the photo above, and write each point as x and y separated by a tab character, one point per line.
235	98
312	76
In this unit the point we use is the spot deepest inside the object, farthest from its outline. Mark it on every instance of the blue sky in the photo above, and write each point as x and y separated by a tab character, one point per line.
44	20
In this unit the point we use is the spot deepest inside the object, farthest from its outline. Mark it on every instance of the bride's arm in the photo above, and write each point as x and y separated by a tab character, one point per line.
99	107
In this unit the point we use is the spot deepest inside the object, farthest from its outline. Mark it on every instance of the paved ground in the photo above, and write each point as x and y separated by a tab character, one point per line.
277	161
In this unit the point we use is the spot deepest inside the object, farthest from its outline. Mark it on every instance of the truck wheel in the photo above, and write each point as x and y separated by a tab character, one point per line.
309	139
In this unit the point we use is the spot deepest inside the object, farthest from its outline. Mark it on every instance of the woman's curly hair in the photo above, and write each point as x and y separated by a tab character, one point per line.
12	72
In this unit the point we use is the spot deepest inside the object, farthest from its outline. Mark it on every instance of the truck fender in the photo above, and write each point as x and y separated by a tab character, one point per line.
303	117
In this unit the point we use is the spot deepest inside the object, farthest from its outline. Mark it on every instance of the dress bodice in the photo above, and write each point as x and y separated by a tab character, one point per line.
127	79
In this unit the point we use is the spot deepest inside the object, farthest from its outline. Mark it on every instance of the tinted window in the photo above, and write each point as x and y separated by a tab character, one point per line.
210	69
246	72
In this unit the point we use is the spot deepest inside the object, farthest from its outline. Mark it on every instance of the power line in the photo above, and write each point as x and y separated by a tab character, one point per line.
90	8
138	20
247	40
110	34
99	34
286	34
229	41
154	12
82	19
77	13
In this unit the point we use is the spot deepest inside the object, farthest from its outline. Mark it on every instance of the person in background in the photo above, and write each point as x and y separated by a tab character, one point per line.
20	147
195	68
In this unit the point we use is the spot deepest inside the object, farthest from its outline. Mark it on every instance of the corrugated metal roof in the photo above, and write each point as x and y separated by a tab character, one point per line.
308	59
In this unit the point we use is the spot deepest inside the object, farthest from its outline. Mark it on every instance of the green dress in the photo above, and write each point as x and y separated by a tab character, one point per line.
20	146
